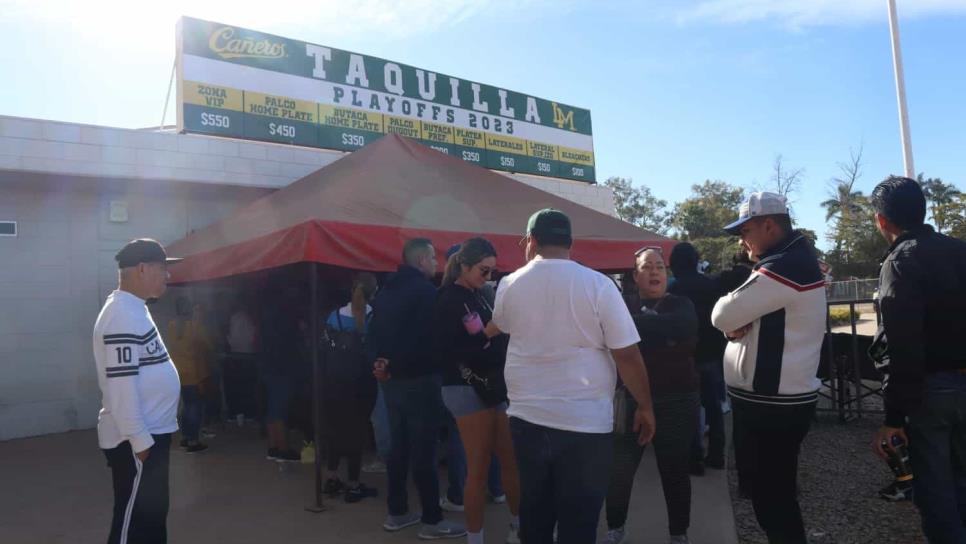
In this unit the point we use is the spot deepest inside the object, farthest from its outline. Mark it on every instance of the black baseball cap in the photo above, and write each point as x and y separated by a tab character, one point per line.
142	250
551	225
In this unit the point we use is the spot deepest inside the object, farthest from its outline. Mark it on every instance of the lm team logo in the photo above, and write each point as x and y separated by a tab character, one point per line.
224	42
560	119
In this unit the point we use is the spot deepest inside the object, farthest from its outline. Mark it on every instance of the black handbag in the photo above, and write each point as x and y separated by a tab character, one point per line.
489	384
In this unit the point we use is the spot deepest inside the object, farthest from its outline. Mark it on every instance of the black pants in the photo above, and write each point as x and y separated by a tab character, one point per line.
711	396
140	493
241	384
767	441
563	481
675	420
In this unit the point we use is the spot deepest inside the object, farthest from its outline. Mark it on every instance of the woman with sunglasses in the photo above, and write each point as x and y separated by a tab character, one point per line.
473	387
668	326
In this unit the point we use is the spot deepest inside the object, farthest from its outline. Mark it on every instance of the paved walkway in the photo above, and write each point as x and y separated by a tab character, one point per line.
56	489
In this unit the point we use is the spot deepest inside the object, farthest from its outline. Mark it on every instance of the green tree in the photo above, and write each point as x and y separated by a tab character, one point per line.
957	217
699	219
940	196
636	205
845	204
857	245
861	248
711	206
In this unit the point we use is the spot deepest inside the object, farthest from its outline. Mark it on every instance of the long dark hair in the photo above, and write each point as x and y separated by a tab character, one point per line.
471	252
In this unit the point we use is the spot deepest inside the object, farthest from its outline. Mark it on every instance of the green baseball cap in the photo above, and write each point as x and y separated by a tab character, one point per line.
549	223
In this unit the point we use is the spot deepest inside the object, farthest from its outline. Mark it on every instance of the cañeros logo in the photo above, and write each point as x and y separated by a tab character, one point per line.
224	42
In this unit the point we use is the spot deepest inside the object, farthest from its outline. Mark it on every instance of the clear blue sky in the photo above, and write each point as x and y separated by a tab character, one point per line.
680	90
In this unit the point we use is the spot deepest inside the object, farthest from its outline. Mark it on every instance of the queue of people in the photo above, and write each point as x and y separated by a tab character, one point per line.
557	384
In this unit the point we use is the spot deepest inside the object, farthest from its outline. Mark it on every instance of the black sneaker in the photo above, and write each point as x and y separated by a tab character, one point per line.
184	443
272	454
696	468
359	492
717	463
288	456
897	492
195	448
333	487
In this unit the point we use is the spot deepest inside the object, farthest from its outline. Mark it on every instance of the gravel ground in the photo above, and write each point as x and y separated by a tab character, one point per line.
839	478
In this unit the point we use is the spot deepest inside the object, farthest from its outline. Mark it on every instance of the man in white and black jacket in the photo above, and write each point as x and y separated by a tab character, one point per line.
775	323
140	390
919	346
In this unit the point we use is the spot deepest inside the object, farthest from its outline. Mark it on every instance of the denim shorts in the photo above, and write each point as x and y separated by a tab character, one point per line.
462	400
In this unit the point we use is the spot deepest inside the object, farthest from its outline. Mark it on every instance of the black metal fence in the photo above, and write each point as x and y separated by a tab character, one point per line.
847	373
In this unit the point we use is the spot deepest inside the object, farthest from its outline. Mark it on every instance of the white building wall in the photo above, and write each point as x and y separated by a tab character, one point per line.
55	275
51	147
57	181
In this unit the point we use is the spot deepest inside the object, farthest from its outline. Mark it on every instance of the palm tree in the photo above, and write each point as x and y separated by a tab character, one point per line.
844	201
940	196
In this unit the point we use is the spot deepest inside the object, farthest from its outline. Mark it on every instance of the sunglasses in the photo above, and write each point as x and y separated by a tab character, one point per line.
649	248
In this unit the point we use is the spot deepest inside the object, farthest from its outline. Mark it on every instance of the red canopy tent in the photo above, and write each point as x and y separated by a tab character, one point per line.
358	212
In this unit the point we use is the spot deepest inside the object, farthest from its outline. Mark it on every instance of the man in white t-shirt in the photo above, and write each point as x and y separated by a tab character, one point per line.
571	335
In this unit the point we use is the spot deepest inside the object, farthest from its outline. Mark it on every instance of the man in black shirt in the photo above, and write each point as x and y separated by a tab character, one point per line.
703	293
919	346
400	337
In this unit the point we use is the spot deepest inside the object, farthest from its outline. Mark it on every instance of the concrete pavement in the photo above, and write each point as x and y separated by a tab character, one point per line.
56	490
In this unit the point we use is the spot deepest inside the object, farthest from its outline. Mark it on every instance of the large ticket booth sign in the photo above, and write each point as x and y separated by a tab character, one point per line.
245	84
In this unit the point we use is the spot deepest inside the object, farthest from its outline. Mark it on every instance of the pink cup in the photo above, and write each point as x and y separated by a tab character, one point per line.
472	323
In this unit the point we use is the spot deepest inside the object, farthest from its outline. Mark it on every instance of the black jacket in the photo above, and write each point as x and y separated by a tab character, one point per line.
455	347
922	295
402	321
703	293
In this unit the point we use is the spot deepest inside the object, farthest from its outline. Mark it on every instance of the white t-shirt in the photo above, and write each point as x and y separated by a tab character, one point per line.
563	319
241	333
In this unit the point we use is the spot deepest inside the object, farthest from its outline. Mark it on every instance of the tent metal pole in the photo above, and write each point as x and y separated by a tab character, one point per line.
317	371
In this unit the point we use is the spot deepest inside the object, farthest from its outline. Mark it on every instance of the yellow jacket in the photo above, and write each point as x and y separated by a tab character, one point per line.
190	351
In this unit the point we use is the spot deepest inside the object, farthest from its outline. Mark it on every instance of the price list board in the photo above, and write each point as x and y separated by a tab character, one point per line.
241	83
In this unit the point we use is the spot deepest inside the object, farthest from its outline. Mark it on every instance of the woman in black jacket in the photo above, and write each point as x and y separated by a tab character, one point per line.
473	387
668	327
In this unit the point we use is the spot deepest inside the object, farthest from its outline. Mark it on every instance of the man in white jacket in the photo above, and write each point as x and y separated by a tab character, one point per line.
140	390
775	323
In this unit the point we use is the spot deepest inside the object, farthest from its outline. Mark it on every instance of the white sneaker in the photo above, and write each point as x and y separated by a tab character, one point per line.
375	467
614	536
445	504
443	529
513	537
499	499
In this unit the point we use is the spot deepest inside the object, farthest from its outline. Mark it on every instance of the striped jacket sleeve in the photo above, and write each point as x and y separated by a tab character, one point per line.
759	296
121	347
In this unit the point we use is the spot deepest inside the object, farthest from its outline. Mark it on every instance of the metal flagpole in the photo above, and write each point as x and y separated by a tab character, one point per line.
167	96
901	93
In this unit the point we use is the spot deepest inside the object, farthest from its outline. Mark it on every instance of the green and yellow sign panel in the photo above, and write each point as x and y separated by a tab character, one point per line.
245	84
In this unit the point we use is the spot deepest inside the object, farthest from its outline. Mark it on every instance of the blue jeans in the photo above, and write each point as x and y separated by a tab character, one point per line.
415	409
937	450
456	466
192	412
380	425
563	481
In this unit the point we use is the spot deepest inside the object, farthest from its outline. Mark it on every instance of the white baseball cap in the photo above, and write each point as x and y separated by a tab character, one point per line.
758	204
